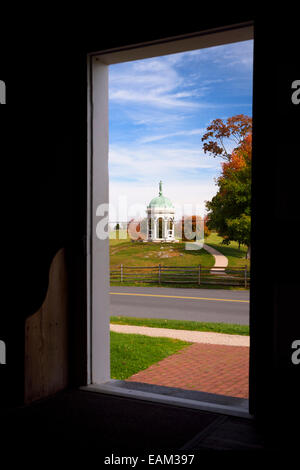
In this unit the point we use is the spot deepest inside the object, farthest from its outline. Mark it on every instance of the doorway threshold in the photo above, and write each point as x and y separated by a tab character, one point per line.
210	402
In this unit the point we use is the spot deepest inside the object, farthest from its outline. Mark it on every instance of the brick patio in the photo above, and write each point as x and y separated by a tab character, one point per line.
204	367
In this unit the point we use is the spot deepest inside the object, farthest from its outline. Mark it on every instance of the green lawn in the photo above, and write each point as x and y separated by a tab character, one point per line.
132	353
124	251
226	328
183	286
131	253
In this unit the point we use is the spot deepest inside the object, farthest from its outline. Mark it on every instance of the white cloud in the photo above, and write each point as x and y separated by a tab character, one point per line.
152	82
142	162
158	98
186	133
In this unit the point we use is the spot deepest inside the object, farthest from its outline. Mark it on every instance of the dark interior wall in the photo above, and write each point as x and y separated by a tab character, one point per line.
43	158
275	319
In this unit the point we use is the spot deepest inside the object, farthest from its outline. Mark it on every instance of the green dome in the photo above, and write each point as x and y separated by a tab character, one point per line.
160	201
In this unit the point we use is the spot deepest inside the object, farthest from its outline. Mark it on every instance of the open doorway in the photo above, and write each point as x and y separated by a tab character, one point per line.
161	222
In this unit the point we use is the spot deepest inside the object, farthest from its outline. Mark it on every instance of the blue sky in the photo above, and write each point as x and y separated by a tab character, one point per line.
159	109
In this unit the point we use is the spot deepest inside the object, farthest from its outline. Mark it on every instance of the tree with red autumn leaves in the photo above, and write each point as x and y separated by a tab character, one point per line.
229	211
220	134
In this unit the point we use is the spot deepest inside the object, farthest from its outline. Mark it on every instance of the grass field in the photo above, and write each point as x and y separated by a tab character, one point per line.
131	253
131	353
124	251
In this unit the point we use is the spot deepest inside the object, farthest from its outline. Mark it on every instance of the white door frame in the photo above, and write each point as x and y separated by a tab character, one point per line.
98	343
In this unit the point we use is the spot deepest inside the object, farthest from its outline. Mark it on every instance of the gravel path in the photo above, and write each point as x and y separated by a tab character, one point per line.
220	260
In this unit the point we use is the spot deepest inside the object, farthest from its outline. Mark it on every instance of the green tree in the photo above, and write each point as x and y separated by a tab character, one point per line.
229	211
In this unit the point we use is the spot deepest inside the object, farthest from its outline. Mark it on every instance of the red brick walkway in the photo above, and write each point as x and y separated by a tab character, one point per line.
204	367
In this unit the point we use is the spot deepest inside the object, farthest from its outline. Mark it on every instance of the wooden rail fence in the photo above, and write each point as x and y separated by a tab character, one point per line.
201	275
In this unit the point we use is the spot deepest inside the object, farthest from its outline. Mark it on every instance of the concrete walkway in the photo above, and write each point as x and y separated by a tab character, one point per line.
220	260
184	335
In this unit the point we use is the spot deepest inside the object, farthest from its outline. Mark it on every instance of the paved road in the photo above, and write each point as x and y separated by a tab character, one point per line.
227	306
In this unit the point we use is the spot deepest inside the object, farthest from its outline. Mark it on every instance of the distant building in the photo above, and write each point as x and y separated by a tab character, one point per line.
160	219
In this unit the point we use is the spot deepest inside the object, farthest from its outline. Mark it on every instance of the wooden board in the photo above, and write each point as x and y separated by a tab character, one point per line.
46	338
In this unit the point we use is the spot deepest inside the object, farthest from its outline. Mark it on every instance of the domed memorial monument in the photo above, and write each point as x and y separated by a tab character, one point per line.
160	219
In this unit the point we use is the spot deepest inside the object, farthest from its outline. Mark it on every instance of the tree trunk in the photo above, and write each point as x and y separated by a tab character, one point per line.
248	254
